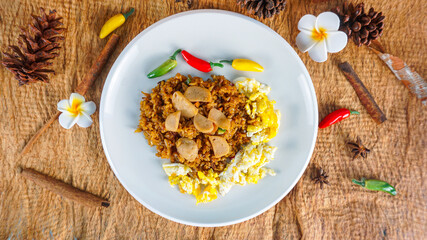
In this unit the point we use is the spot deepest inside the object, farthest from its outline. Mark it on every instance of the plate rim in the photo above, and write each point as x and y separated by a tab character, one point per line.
107	86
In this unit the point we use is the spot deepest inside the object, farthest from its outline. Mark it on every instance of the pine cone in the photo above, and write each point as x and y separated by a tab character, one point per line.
37	46
263	8
362	27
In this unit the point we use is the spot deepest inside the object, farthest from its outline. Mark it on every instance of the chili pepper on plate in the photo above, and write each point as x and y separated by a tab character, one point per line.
336	116
244	65
221	131
114	22
165	67
376	185
198	63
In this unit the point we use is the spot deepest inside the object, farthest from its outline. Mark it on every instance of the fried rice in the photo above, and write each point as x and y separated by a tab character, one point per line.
157	105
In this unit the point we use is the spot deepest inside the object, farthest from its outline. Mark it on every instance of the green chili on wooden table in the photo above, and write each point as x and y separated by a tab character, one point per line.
166	66
376	185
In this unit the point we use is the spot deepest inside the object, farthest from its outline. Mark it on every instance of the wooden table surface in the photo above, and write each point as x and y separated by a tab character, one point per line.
340	211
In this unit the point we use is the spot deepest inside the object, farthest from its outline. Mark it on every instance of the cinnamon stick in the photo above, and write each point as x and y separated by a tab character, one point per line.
63	189
36	136
364	95
98	65
83	86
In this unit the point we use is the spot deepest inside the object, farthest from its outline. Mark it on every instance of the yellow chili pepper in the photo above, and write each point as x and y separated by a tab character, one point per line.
244	65
114	22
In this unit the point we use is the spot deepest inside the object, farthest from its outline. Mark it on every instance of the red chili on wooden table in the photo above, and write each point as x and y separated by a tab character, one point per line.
336	116
198	63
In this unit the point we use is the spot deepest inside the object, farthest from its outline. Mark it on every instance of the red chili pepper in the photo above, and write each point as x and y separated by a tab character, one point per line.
336	116
198	63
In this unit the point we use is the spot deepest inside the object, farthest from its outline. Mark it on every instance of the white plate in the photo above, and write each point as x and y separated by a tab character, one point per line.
213	35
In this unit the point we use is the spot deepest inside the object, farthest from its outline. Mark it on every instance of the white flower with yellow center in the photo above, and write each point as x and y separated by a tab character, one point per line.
75	110
319	35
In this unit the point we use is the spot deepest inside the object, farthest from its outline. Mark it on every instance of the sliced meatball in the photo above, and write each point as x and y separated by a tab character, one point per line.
203	124
187	148
172	121
219	118
198	94
219	145
182	104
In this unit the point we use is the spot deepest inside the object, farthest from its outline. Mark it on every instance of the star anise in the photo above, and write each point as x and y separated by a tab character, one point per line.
321	177
357	149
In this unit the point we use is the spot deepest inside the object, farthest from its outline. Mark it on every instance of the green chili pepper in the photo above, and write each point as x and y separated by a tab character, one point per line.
221	131
376	185
188	81
166	67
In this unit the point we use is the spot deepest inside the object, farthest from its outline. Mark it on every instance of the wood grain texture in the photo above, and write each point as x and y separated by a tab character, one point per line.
340	211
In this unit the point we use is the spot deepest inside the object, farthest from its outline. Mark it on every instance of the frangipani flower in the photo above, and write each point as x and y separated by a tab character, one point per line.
75	110
319	35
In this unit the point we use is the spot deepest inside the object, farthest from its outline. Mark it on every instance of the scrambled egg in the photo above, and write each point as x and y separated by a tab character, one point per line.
203	187
265	120
247	167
